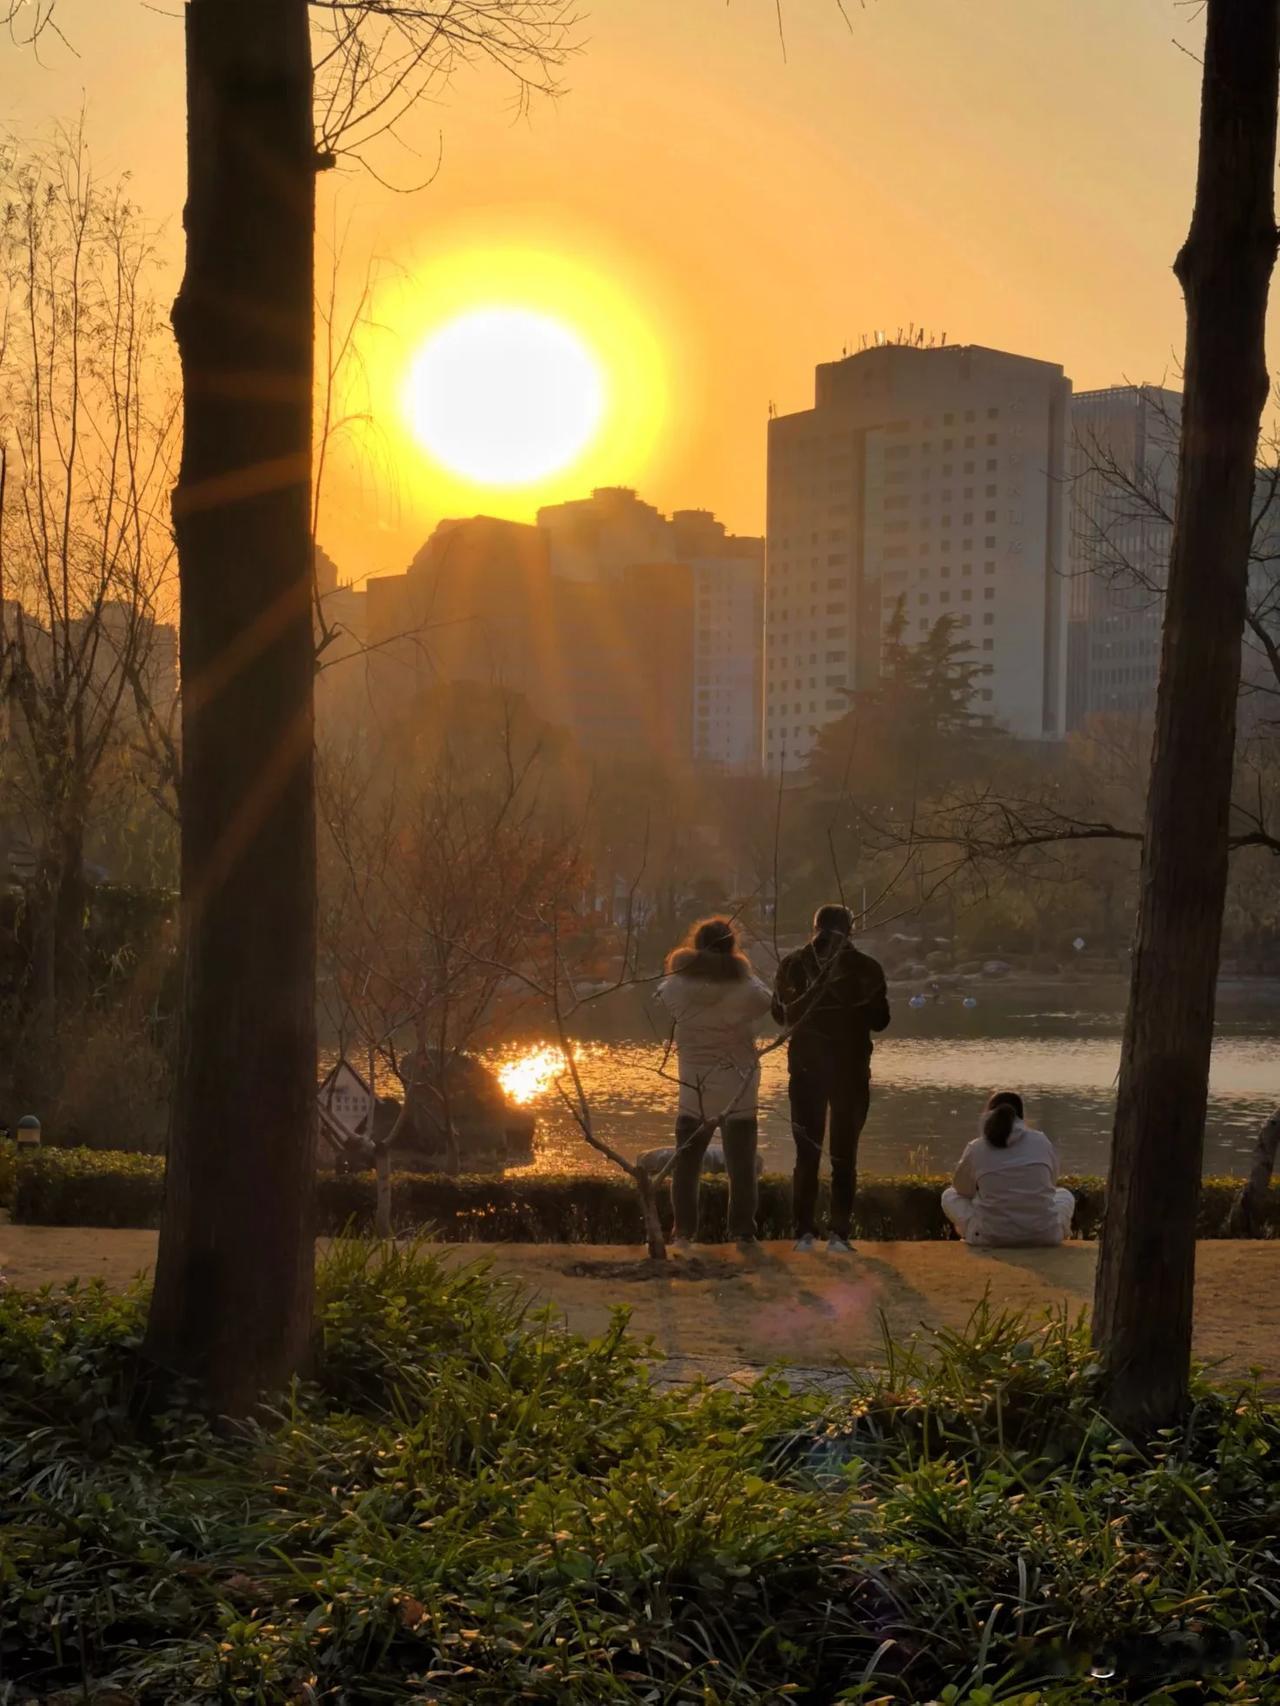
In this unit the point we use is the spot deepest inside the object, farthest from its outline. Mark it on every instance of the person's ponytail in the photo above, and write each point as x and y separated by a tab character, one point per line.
1003	1112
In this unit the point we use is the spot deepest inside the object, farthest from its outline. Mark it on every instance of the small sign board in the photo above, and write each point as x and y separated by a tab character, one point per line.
347	1101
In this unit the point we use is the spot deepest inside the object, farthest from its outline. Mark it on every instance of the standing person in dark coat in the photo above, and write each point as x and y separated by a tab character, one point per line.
831	998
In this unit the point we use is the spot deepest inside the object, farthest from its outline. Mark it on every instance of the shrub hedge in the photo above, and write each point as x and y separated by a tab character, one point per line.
84	1187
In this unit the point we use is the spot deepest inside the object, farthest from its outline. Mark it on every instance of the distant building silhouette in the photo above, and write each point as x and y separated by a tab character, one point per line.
611	660
341	623
596	538
935	476
728	587
639	634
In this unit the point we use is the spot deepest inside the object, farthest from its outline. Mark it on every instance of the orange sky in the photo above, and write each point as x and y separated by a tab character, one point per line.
1014	172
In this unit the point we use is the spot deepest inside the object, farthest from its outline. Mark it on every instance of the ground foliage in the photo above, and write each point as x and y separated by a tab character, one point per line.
469	1504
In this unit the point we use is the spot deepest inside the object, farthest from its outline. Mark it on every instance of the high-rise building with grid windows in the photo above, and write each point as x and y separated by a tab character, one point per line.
931	478
1124	467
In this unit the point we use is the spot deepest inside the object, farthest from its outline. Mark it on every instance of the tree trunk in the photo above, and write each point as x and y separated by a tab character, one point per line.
70	905
235	1271
654	1240
382	1197
1146	1270
1248	1212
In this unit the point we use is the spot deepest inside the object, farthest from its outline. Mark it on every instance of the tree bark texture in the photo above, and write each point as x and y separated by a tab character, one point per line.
1146	1272
1248	1212
234	1275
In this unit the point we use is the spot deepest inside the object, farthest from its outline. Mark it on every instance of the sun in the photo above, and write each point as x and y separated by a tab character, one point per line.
505	396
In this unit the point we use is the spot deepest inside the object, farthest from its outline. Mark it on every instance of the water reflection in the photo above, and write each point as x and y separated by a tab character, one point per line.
528	1075
932	1073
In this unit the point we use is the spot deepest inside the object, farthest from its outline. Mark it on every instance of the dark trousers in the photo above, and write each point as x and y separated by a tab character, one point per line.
821	1084
739	1139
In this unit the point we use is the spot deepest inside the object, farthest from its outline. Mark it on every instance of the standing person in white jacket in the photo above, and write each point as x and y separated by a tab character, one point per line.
717	1003
1005	1190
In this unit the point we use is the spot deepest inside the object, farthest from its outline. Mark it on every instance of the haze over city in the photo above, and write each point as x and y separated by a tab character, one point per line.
639	815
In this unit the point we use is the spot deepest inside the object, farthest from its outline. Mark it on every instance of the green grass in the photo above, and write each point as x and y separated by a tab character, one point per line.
471	1505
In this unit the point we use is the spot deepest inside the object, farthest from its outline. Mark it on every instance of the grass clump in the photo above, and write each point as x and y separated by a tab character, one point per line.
469	1504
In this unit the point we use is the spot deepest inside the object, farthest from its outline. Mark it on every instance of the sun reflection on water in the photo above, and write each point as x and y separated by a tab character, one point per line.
527	1076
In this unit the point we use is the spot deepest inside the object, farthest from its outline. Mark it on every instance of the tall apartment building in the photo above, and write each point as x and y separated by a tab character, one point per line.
1124	468
934	477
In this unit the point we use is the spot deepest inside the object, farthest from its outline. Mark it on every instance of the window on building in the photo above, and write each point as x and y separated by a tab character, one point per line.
986	695
990	542
988	568
993	414
988	645
992	465
988	621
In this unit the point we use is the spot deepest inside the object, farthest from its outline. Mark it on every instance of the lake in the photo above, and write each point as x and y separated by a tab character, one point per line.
932	1073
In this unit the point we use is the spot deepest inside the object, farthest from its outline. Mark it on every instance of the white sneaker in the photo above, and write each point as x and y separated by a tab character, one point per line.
805	1246
837	1246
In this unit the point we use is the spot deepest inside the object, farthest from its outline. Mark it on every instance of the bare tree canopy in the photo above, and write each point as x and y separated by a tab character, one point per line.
375	60
87	431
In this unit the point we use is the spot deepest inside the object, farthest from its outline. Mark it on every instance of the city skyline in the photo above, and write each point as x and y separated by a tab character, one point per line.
630	181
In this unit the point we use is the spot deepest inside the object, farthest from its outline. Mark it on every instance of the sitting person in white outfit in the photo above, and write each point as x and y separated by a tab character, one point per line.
1005	1190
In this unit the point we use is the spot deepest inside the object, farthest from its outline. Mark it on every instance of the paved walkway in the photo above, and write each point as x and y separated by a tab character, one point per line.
727	1316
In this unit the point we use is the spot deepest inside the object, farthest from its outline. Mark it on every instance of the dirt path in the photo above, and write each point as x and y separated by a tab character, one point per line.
723	1313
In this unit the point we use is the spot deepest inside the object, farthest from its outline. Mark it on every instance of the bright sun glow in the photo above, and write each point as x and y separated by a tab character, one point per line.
512	377
529	1075
505	396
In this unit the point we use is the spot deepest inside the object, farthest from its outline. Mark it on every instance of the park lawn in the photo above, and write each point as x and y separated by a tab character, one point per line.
720	1313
